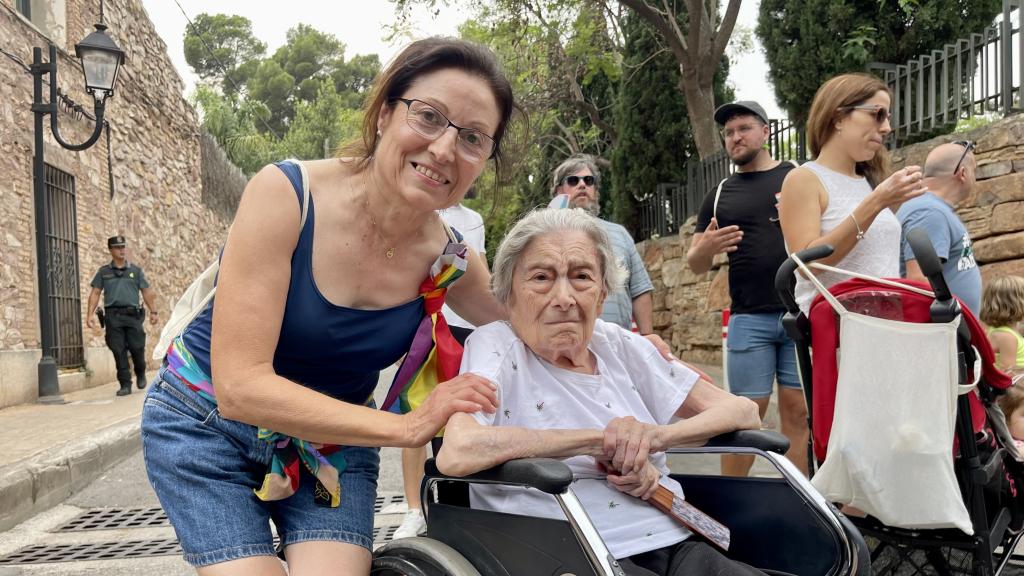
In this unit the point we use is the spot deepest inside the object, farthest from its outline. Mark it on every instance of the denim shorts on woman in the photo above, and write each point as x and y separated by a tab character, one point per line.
758	352
204	469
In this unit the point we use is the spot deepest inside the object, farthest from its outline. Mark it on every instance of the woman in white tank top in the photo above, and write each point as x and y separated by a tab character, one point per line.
846	197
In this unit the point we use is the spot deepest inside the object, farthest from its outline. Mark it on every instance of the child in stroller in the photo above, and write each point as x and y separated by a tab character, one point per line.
916	368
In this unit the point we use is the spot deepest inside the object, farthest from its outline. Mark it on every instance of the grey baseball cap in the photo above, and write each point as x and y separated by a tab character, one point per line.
744	106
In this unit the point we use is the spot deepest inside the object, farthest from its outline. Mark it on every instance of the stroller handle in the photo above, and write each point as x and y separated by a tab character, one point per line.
785	278
928	260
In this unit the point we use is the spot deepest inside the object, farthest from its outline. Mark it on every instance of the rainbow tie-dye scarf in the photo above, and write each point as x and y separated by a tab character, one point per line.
434	355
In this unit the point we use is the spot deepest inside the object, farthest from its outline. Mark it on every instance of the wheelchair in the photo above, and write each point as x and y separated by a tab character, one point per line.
780	525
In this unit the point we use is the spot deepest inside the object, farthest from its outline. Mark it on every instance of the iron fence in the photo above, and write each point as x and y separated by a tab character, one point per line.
973	76
664	211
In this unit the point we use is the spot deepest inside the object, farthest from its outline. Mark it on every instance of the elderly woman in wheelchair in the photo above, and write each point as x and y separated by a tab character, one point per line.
602	399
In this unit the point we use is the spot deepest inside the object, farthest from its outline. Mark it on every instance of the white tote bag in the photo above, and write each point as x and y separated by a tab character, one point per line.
890	452
199	293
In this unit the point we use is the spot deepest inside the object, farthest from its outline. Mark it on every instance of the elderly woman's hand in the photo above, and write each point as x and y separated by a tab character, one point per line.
641	483
465	393
628	442
661	345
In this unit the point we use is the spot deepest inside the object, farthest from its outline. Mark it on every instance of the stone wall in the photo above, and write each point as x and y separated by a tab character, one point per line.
688	307
156	168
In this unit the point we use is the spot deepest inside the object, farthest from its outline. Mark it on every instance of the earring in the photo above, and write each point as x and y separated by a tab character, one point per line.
378	133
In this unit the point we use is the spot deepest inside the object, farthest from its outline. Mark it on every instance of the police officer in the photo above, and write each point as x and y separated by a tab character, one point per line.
120	282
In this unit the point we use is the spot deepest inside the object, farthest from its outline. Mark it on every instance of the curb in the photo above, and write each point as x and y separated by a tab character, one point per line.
44	480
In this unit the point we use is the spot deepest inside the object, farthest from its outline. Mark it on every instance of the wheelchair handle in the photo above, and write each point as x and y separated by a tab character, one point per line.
785	278
765	440
545	474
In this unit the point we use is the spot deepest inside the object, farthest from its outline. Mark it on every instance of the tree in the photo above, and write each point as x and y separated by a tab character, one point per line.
655	140
698	52
221	49
809	41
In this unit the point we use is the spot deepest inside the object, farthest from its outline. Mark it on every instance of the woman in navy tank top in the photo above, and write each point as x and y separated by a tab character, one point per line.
263	410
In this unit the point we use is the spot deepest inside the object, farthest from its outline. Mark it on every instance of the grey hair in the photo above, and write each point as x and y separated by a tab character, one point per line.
573	165
545	221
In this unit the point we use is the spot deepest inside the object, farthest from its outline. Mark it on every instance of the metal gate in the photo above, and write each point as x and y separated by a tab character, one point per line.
62	269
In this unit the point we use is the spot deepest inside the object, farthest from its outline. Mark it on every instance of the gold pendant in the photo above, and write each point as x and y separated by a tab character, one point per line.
390	253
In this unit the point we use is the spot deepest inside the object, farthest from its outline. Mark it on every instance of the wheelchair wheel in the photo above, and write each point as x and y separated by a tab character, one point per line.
419	557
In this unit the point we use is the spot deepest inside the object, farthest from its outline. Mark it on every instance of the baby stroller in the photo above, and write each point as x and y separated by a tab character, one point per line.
780	525
931	472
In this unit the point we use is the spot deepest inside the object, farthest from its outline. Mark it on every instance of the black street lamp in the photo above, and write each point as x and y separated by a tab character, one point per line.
101	59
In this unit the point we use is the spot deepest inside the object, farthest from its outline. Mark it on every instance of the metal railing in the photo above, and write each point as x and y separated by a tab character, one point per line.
973	76
664	211
970	77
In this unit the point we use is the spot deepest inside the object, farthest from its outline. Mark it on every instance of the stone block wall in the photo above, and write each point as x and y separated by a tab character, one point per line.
688	307
157	204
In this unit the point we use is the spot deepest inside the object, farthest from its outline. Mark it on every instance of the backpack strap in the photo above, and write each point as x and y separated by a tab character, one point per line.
718	194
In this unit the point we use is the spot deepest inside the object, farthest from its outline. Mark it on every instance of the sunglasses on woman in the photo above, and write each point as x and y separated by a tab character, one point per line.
574	180
968	147
881	113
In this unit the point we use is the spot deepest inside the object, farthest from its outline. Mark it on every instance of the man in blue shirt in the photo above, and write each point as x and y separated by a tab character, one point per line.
580	179
949	173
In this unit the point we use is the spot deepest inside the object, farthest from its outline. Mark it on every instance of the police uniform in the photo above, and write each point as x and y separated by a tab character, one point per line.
123	316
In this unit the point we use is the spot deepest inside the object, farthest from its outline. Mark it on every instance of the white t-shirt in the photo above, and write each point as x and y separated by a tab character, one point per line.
471	226
632	380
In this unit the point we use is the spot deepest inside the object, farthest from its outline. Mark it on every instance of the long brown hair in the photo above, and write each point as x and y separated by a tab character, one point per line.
830	104
430	55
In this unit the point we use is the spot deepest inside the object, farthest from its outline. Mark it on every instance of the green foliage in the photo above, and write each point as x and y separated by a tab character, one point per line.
809	41
221	49
303	101
655	138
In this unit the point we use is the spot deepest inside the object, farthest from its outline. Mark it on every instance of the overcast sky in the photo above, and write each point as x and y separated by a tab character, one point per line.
361	26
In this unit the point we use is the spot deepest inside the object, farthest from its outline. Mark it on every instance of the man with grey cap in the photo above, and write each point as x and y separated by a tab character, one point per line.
580	179
120	283
740	218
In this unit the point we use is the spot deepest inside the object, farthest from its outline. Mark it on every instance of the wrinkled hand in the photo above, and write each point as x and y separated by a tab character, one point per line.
641	483
718	240
661	345
628	442
903	185
465	393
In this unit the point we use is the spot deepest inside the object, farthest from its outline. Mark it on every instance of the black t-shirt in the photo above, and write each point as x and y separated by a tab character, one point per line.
750	200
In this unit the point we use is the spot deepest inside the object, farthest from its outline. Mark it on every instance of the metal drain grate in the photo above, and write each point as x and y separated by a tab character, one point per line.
116	519
41	554
44	554
386	499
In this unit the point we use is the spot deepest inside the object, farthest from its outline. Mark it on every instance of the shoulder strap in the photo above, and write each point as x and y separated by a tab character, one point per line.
718	194
794	163
305	190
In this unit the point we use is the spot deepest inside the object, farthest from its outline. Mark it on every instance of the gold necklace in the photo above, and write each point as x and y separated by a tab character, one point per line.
390	252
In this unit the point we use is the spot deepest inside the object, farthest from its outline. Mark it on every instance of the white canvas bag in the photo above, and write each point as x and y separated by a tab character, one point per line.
890	452
198	295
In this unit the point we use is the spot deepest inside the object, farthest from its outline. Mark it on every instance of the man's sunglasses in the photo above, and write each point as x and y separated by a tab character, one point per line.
574	180
968	147
881	113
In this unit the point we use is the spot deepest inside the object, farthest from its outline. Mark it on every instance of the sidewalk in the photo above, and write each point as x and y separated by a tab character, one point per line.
55	450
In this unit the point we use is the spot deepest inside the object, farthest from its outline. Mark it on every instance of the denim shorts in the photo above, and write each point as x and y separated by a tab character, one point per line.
759	352
204	469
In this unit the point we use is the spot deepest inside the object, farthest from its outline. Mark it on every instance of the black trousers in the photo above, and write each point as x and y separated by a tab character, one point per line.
688	557
125	337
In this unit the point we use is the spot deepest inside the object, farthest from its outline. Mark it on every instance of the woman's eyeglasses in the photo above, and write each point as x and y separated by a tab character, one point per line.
574	180
881	113
428	122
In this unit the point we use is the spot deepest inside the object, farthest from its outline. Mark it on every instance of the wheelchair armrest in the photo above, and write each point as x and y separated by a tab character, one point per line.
766	440
545	474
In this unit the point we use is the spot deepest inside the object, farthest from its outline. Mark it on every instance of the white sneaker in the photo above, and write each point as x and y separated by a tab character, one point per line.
413	524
